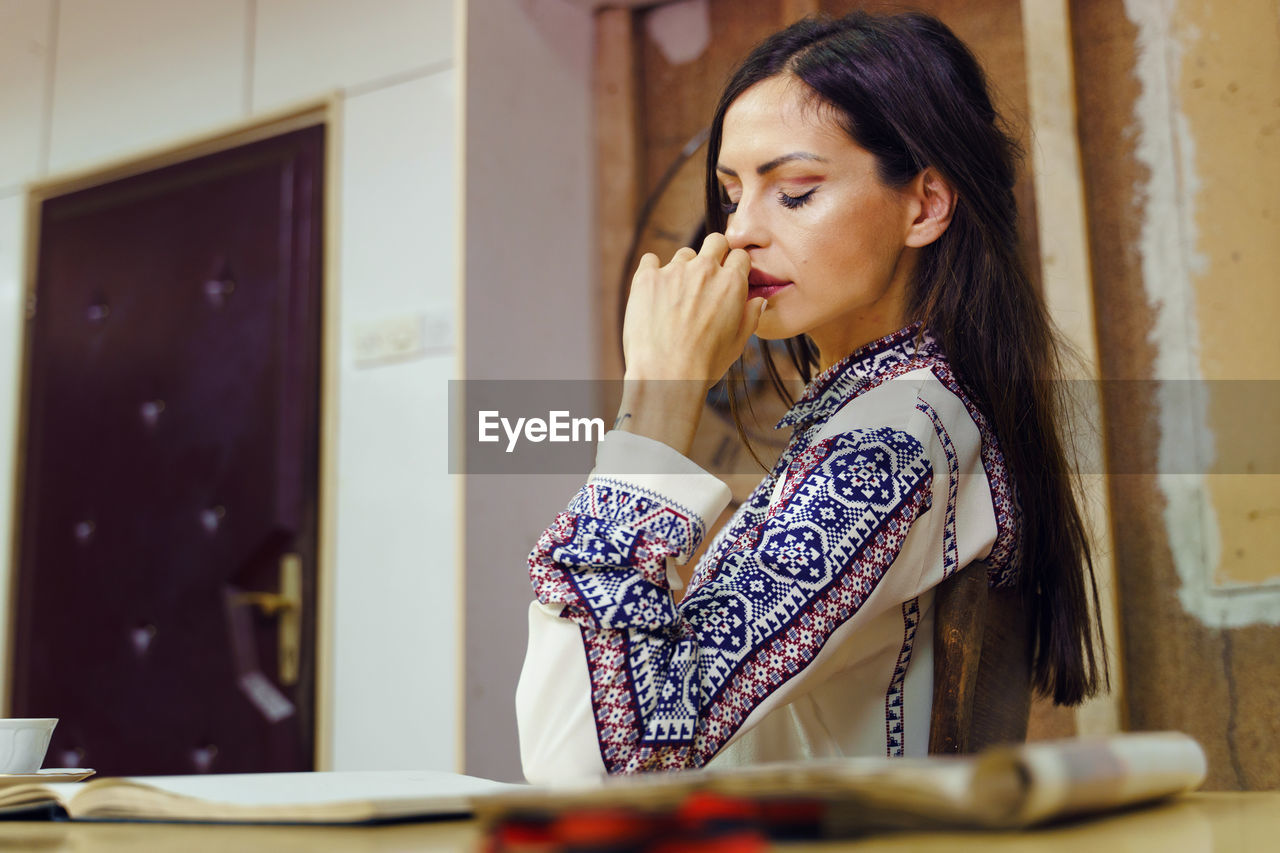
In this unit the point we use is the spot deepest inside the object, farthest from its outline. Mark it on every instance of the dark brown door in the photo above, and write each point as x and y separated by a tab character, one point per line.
165	593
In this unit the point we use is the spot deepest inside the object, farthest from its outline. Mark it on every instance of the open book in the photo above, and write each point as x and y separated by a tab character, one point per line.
339	797
1005	787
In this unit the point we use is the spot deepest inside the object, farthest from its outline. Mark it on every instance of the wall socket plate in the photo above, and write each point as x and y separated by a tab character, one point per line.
402	337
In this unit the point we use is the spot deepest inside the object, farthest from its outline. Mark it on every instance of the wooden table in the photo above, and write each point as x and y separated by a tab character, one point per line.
1197	823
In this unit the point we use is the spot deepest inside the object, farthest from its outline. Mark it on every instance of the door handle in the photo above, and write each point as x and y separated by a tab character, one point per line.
286	606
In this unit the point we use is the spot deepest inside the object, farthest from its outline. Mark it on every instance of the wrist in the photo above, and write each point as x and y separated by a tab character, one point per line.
666	410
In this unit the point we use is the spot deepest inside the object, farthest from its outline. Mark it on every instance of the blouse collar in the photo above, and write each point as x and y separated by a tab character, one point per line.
840	382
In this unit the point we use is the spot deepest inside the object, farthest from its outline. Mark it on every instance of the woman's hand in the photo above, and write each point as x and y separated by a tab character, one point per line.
689	319
686	323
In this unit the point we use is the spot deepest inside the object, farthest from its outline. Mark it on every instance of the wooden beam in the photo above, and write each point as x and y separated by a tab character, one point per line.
618	161
1068	290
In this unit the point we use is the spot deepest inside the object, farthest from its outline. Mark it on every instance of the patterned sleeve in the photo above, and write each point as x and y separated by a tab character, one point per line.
670	685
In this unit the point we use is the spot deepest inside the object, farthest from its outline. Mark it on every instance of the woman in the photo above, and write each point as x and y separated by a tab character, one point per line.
860	193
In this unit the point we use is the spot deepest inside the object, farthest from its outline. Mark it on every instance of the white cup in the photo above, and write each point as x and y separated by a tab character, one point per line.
23	743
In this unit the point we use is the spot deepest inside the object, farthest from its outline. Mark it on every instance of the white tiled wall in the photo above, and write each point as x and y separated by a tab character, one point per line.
134	74
398	256
305	46
400	197
131	75
25	28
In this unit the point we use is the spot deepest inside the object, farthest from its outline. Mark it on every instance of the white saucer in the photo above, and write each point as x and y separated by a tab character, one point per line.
48	774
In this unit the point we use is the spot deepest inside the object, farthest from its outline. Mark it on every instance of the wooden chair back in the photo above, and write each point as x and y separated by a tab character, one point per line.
981	665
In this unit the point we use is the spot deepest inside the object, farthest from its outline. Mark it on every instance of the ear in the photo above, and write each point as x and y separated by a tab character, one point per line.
934	200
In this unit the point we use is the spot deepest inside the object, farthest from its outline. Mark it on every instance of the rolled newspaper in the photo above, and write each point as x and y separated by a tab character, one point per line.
1003	787
1034	782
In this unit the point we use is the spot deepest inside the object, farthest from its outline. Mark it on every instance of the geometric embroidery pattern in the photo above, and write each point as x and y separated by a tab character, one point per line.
779	593
1004	559
605	557
950	547
846	379
888	358
671	684
895	707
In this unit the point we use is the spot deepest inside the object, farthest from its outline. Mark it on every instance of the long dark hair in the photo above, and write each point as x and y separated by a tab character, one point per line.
910	92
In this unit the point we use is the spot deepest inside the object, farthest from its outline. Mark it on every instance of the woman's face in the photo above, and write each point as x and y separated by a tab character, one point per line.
826	237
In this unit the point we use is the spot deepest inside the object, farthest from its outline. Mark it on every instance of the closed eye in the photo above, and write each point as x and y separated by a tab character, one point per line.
791	202
727	204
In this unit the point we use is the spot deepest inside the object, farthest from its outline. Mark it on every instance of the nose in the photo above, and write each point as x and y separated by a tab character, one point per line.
745	228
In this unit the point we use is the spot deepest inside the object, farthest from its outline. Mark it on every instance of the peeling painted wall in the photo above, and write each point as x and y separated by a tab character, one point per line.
1229	92
1208	131
1180	132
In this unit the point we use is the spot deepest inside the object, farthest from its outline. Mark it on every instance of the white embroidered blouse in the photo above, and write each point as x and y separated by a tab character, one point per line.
806	631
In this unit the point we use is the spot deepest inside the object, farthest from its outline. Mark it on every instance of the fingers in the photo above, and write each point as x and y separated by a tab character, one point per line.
679	260
643	279
690	317
714	255
710	264
739	261
751	314
715	247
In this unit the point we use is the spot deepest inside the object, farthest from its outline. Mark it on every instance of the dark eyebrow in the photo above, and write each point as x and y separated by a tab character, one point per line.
766	168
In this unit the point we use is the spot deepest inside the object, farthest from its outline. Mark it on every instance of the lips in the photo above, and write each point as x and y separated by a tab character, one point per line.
759	278
760	283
